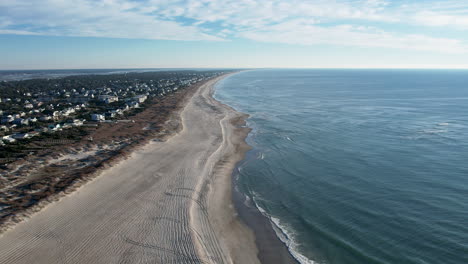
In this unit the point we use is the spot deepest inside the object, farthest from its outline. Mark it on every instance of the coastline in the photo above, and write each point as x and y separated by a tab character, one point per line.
203	223
166	202
271	250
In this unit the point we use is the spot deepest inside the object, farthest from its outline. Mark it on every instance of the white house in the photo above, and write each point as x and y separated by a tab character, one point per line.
8	139
56	114
45	118
32	119
140	98
133	105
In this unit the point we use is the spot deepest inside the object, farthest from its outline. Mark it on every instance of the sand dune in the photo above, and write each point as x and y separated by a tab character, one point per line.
170	202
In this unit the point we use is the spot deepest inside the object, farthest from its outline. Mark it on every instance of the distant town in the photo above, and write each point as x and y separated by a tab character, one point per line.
43	109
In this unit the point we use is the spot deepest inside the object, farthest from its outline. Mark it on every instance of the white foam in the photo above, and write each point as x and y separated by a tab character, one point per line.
443	124
287	237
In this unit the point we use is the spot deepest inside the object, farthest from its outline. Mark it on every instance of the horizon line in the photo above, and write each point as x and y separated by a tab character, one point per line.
245	68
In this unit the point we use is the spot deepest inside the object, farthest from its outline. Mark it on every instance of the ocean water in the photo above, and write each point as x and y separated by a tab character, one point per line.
358	166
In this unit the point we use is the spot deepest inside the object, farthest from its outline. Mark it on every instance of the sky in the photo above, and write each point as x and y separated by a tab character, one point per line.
66	34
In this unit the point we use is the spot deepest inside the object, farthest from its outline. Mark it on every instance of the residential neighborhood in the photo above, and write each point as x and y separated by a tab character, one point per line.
42	107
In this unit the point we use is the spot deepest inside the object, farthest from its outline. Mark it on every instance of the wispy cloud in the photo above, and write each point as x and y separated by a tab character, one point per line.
335	22
430	18
107	18
346	35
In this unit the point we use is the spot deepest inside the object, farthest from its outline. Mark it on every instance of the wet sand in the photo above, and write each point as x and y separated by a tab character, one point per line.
169	202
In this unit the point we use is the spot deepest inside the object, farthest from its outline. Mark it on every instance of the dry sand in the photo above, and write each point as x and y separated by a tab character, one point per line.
169	202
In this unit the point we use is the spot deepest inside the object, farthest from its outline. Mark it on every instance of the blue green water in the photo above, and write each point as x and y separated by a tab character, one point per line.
358	166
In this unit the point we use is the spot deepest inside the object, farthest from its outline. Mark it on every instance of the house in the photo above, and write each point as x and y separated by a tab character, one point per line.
45	98
140	98
68	111
67	125
45	118
56	114
7	119
108	98
78	122
32	120
111	114
42	129
117	112
21	121
133	105
21	135
75	123
8	139
54	127
80	99
98	117
33	133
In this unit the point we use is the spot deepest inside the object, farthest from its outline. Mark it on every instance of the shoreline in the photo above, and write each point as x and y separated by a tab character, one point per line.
167	201
271	250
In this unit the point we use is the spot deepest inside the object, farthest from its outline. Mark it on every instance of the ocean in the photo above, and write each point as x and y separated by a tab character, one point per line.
358	166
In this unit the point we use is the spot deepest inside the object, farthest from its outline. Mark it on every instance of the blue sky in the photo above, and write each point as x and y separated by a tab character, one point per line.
56	34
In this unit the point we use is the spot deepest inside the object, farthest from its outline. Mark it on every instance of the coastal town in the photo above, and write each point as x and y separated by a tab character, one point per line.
58	133
42	109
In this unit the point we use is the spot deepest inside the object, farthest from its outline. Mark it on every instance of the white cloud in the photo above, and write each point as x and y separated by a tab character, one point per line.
297	32
108	18
449	14
431	18
335	22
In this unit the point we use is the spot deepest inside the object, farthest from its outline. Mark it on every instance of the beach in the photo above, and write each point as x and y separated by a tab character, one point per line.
168	202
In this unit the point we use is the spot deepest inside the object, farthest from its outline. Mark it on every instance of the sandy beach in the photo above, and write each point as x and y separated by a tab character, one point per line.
169	202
